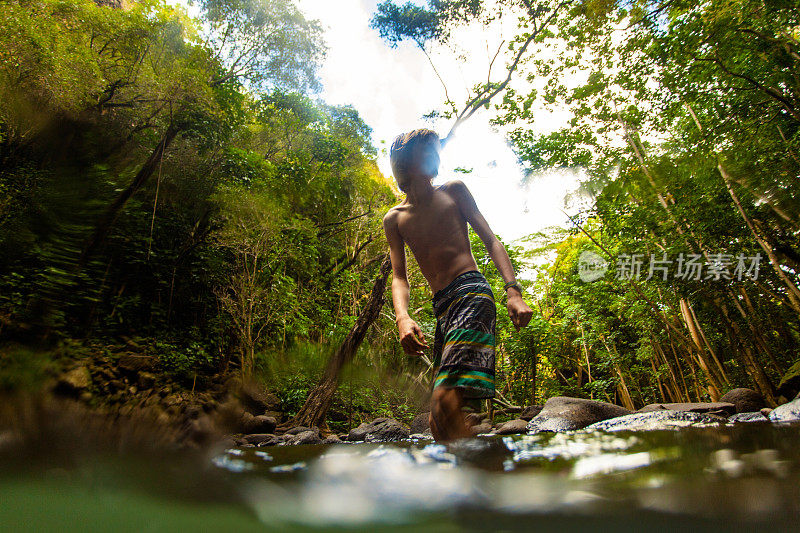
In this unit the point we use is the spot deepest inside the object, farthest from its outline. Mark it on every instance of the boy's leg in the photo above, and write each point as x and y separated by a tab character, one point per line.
447	419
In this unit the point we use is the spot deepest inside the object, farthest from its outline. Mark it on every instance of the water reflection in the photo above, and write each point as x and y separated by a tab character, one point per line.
724	476
719	478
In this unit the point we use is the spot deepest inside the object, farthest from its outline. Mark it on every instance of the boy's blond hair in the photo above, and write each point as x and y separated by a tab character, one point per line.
405	146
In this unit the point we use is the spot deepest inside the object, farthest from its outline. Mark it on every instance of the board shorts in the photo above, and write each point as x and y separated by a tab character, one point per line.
464	342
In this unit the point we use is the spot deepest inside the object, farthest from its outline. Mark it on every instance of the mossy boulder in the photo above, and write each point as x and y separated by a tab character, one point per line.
790	382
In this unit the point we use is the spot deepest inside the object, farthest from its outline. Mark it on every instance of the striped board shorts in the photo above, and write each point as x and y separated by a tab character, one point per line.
463	346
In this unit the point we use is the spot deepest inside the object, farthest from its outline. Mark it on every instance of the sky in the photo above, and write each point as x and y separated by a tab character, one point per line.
392	88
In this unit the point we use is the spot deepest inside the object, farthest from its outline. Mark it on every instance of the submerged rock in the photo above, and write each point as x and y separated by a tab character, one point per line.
512	427
379	430
564	414
745	400
486	453
756	416
655	420
788	412
718	408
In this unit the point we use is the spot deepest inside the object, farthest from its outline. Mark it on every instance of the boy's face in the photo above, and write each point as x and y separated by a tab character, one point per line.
422	164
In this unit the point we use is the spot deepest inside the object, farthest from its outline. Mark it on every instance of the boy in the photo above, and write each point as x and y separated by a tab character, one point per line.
432	221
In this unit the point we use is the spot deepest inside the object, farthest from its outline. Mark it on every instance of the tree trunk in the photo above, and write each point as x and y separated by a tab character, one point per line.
723	375
757	374
672	384
661	391
107	220
749	316
533	378
316	406
793	293
714	385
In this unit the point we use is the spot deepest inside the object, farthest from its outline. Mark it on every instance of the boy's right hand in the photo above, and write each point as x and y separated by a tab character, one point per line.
411	337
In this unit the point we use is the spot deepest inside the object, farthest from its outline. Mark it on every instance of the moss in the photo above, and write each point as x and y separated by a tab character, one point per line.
790	382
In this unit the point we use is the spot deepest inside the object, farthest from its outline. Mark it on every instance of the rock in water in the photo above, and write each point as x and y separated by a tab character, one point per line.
756	416
657	420
788	412
530	411
717	408
564	414
421	423
261	439
485	453
332	439
379	430
480	429
745	400
513	427
306	437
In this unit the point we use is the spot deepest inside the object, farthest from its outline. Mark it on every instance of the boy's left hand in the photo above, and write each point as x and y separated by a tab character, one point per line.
518	311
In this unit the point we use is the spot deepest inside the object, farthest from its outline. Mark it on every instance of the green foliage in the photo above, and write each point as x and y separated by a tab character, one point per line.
684	118
372	386
263	43
257	227
23	368
183	363
409	21
252	239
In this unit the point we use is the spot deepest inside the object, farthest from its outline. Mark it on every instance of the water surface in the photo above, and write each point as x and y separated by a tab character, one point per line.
712	479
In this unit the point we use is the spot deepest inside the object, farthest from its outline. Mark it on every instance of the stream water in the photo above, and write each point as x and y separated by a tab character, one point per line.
712	479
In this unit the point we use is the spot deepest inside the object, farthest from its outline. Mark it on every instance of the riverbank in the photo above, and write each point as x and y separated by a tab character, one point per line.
146	380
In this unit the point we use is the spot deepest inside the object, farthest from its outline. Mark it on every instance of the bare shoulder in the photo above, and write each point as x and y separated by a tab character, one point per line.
455	187
458	190
390	218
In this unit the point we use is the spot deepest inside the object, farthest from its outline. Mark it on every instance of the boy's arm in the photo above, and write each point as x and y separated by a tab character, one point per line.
518	310
411	337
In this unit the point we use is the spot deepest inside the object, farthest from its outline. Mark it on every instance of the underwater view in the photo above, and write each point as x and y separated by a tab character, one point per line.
728	478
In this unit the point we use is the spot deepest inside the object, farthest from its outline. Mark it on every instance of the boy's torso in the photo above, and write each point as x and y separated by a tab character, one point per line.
436	233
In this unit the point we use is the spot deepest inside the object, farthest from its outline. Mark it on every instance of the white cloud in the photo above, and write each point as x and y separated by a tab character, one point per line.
392	88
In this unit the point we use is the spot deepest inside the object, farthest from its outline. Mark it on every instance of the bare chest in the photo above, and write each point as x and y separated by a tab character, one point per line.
438	224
